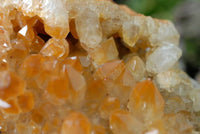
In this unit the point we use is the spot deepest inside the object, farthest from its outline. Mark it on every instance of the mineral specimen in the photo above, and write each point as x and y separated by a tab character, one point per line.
91	67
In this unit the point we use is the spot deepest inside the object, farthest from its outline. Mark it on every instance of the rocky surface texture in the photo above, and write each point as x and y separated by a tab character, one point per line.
91	67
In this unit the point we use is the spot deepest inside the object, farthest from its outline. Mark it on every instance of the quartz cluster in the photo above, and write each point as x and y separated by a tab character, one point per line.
91	67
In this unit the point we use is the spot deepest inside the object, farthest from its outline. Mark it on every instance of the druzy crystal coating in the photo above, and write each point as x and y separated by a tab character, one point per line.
91	67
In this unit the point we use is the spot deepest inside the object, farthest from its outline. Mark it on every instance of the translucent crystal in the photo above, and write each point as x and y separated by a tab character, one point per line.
111	70
12	89
194	96
74	62
88	28
95	92
4	41
77	85
49	68
56	48
170	35
4	63
105	52
175	103
168	79
122	122
136	66
27	32
89	67
52	12
76	123
109	105
177	124
145	97
19	52
59	87
127	79
37	45
163	58
13	108
26	101
130	33
97	129
5	79
31	66
4	104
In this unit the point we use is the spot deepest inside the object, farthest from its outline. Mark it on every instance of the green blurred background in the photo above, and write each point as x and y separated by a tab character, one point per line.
186	16
157	8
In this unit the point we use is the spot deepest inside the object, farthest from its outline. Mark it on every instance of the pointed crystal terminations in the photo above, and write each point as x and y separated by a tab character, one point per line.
91	67
163	58
88	28
56	48
104	52
145	95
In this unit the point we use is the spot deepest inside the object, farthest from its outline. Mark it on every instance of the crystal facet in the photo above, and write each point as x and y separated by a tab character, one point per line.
91	67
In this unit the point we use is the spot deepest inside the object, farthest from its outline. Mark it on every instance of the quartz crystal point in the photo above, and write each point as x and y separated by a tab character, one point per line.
88	28
91	67
136	66
105	52
145	95
130	33
77	85
111	70
163	58
122	122
56	48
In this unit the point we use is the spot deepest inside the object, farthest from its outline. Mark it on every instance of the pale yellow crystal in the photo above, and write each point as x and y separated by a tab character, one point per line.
105	52
88	28
137	68
56	48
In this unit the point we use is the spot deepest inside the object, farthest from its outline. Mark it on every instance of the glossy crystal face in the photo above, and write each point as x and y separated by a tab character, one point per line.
91	67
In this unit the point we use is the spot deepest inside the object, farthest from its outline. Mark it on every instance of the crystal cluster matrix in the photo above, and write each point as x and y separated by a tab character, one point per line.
91	67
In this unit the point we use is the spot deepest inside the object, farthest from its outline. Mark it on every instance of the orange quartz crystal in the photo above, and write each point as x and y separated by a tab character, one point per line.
76	123
13	107
74	62
97	129
122	122
91	67
13	88
109	105
26	101
56	48
144	96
